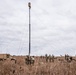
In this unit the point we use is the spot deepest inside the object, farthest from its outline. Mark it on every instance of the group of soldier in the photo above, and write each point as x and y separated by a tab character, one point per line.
29	60
68	58
49	58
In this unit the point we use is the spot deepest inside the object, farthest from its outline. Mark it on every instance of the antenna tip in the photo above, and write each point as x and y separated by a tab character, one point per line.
29	4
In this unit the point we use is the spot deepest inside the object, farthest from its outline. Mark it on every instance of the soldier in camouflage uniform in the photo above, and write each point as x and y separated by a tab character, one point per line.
46	57
52	58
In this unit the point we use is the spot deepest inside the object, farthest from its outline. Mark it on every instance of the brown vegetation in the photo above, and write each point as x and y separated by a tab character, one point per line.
59	67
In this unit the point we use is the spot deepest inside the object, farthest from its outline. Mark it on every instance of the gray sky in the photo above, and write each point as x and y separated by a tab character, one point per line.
53	27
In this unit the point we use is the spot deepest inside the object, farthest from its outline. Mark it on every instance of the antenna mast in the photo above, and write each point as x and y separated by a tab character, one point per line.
29	5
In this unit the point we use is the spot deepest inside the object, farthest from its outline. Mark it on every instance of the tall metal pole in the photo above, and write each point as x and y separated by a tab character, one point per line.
29	5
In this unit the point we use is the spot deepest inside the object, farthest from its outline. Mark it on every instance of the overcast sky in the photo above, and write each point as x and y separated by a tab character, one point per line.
53	27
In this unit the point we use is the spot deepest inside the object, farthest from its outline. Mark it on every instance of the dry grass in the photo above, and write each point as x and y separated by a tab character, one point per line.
8	67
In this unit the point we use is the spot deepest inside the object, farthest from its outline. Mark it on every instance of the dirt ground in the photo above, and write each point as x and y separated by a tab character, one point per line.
59	67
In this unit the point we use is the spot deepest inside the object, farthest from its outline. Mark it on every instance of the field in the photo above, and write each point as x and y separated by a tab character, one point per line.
59	67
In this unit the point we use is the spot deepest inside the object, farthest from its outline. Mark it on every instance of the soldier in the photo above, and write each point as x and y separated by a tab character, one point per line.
52	58
27	59
32	60
69	59
49	58
46	57
66	57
